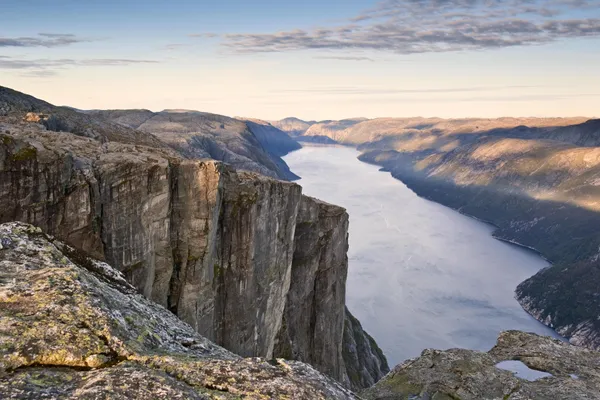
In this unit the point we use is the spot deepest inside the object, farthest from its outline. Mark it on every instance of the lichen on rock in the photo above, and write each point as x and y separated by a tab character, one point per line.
72	327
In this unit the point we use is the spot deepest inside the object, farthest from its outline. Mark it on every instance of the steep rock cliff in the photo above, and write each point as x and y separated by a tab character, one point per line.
274	140
213	245
313	322
72	327
365	362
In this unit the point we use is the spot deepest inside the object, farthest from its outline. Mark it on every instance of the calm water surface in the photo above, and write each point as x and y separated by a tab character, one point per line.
421	275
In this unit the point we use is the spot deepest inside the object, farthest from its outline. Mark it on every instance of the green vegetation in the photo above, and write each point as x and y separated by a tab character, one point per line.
24	154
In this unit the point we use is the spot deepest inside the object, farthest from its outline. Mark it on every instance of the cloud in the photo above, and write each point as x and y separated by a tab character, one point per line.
380	91
204	35
39	74
44	67
174	46
345	58
422	26
42	40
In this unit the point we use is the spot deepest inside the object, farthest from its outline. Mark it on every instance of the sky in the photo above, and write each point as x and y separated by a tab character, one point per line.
315	59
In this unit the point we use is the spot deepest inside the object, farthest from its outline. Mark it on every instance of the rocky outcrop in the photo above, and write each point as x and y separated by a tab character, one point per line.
72	327
215	246
571	372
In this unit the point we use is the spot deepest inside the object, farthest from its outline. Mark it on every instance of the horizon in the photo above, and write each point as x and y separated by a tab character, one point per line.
314	121
319	60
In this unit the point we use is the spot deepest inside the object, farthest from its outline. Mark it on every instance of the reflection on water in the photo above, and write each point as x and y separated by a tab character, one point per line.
421	275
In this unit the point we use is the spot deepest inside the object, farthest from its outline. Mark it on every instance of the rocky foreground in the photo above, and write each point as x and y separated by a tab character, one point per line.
72	327
574	373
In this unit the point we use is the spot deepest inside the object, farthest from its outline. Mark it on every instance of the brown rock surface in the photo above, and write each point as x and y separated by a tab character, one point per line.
72	327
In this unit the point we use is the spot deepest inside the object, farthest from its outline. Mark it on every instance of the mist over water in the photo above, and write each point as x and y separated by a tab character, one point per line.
420	274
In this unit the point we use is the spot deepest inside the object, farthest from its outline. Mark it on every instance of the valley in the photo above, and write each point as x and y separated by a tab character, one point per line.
420	275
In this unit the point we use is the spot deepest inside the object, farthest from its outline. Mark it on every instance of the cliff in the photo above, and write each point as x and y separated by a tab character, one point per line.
215	246
273	139
72	327
317	328
570	372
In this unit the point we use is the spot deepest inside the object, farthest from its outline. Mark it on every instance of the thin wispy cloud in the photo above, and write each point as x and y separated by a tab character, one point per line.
42	40
488	99
175	46
45	67
207	35
345	58
382	91
39	74
422	26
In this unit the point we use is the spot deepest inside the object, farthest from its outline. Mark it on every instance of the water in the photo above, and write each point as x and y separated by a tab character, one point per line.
523	371
420	274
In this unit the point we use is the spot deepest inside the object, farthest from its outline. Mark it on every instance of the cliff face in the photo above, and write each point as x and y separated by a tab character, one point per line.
215	246
365	362
313	322
72	327
274	140
571	372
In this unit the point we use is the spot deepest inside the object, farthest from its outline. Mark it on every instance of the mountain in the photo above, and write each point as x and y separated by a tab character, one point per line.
202	135
323	132
235	254
293	126
273	139
15	106
332	129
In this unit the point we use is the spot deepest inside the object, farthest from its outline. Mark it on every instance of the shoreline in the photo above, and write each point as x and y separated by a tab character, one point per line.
493	234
